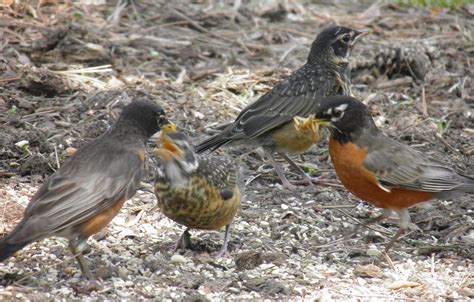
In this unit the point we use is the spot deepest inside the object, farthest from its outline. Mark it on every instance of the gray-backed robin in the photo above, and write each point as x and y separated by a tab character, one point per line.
380	170
264	123
89	189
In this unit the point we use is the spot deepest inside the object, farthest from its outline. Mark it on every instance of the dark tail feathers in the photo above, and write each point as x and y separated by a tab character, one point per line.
212	143
467	184
7	249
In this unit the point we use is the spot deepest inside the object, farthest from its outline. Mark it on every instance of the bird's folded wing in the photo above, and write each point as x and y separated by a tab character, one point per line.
297	95
75	193
220	172
398	166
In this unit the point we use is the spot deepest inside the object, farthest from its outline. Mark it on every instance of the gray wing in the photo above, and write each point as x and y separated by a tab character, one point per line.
398	166
80	190
297	95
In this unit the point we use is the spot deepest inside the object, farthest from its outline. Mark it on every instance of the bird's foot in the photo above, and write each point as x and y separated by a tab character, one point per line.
222	253
309	181
288	185
183	242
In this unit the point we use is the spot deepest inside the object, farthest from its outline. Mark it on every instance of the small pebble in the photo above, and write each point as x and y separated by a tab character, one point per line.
178	259
122	272
372	251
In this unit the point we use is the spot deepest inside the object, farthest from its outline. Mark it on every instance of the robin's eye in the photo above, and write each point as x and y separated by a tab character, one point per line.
337	114
160	119
346	38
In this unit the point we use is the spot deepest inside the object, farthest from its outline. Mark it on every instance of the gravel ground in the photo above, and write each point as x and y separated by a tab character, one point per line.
204	61
289	252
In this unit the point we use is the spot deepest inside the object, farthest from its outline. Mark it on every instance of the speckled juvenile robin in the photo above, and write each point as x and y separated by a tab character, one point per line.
199	191
380	170
263	123
89	189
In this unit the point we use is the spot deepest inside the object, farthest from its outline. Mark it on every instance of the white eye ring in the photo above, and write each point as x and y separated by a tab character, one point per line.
341	107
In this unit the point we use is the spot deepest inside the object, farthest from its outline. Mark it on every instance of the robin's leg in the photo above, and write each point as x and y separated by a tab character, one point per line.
307	180
93	285
284	181
223	249
385	214
184	240
404	216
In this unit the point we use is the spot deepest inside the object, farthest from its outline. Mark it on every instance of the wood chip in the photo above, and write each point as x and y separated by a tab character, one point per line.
403	284
368	271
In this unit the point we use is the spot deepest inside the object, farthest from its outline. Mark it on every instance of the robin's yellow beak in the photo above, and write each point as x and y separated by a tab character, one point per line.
169	127
322	122
168	150
360	34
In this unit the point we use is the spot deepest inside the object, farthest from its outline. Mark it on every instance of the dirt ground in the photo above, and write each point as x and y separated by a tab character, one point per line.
67	70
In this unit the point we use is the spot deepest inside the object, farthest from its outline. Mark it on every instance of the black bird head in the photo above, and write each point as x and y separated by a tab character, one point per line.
335	44
345	116
147	116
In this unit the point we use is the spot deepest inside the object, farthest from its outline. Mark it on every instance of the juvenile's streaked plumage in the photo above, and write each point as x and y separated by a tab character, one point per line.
325	73
199	191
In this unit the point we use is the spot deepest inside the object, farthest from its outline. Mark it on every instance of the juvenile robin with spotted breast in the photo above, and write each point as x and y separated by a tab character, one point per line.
380	170
199	191
264	123
89	189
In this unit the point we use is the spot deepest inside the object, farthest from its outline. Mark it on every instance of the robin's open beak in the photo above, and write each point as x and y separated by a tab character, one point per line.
360	34
168	150
165	128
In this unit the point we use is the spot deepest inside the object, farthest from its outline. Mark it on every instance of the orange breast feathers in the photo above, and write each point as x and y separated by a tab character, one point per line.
99	221
348	160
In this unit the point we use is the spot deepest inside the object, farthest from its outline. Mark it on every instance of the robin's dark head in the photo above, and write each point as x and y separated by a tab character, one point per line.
147	116
345	116
176	156
335	44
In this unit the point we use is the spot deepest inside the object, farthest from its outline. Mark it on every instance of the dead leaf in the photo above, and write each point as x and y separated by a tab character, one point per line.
23	103
403	284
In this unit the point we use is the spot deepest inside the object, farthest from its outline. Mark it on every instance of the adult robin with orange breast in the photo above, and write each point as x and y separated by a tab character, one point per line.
380	170
265	122
200	191
89	189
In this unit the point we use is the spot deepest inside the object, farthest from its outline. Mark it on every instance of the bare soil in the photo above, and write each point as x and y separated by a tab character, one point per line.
67	69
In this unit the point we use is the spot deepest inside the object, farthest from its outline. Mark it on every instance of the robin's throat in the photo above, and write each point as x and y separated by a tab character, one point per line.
340	137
